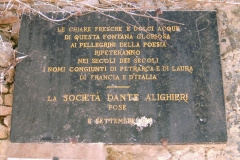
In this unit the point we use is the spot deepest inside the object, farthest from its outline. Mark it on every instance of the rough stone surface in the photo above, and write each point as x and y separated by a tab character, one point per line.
8	99
229	30
91	2
8	17
212	153
193	153
11	89
141	152
10	76
3	88
62	151
4	111
3	149
6	54
15	30
1	100
7	121
4	132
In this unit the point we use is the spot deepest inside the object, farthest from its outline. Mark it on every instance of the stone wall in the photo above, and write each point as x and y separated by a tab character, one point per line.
228	12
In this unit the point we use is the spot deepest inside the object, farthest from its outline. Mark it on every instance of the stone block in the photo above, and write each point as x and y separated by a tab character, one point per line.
3	149
4	111
21	150
46	7
1	100
215	154
4	132
8	18
7	121
116	1
62	151
136	151
6	54
91	2
2	6
71	9
8	99
3	88
11	88
200	155
10	75
70	5
15	30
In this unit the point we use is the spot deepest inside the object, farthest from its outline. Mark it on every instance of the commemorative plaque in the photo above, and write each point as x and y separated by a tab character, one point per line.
117	77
